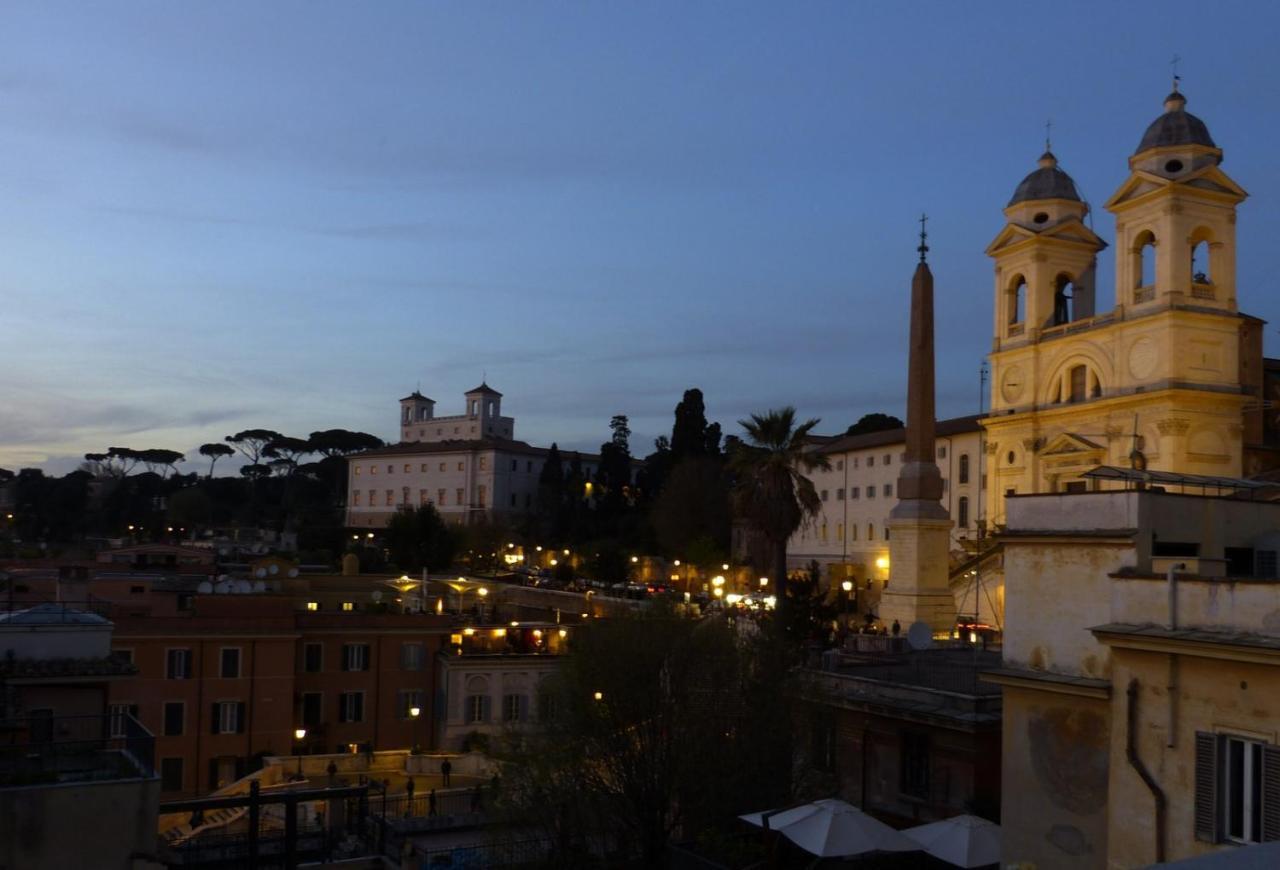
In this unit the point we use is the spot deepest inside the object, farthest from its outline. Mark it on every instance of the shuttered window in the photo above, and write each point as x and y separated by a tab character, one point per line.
1237	789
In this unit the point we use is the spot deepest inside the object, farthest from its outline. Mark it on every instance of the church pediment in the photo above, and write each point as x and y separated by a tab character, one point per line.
1068	445
1071	230
1209	179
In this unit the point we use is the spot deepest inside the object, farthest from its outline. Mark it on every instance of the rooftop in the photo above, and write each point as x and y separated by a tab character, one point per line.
943	429
51	613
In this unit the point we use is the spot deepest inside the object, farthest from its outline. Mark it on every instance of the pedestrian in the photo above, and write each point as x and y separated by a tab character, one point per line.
897	628
445	769
431	803
408	790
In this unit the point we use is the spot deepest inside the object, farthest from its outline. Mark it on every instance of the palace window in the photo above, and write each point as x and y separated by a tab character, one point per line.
1233	777
1017	300
351	707
178	664
962	512
355	656
964	467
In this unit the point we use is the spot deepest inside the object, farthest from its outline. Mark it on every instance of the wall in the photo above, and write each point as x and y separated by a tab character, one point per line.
46	826
461	676
1054	779
56	641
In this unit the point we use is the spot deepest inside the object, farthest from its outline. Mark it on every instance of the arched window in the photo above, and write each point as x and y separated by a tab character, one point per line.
871	531
1144	252
1017	301
962	512
1063	299
1201	257
1077	384
964	467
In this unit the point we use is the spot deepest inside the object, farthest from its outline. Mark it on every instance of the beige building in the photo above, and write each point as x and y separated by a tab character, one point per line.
857	492
1164	377
1141	675
468	466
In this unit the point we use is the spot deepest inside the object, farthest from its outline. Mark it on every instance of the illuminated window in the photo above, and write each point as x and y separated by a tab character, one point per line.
348	606
440	496
461	466
313	606
373	469
480	495
391	495
422	497
356	499
483	463
459	496
357	470
407	468
424	468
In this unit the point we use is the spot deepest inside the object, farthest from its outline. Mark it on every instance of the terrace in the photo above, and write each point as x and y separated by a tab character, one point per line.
46	750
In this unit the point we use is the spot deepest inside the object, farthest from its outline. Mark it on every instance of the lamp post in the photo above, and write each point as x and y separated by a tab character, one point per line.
847	586
299	734
414	713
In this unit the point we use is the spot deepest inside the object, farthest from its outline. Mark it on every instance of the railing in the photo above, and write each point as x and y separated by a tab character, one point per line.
496	854
54	749
943	670
1015	329
1203	291
1143	294
451	805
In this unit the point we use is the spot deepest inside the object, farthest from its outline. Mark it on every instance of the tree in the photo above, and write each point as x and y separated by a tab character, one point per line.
550	503
654	728
333	443
771	493
418	538
157	459
876	422
615	466
215	451
252	443
689	435
288	451
693	504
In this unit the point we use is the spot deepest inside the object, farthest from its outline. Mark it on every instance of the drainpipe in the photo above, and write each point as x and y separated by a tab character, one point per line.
1131	753
1172	681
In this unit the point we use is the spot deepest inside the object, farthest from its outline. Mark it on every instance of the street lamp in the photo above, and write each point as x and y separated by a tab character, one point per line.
847	586
414	712
299	734
764	581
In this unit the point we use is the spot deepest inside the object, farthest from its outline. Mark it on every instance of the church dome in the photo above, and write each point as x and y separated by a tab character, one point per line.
1047	182
1176	126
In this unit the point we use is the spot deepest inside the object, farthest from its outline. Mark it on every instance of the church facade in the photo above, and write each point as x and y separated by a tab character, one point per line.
1168	377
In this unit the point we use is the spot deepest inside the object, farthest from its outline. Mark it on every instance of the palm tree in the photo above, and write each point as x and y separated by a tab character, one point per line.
771	492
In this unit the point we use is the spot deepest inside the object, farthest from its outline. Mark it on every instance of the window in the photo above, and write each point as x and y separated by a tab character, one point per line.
942	452
137	590
459	496
351	707
407	468
423	468
175	713
1264	564
871	491
480	495
871	531
313	606
1144	262
410	656
312	709
823	742
356	499
528	466
391	496
1017	300
1078	378
229	663
407	699
171	774
964	467
313	658
839	465
228	717
391	469
348	606
404	495
888	489
915	765
824	495
116	714
357	471
839	531
422	497
477	708
840	494
483	463
1234	778
853	531
441	464
440	496
373	469
461	467
355	656
871	460
513	499
855	462
126	655
1076	486
854	492
962	512
514	708
824	533
178	664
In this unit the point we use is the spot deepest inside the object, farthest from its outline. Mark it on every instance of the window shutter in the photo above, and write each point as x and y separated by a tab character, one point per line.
214	719
1206	787
1270	793
342	707
240	717
485	703
186	665
524	708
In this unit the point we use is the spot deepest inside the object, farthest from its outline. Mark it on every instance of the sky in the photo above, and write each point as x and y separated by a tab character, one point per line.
289	215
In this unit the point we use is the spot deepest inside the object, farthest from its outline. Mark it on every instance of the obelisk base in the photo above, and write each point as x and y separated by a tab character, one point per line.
919	570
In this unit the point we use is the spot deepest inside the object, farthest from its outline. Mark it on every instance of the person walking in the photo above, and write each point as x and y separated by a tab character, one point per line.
431	803
445	769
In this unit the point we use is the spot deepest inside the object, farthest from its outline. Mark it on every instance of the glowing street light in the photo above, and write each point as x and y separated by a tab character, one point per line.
482	592
847	586
717	581
635	559
764	581
599	696
882	562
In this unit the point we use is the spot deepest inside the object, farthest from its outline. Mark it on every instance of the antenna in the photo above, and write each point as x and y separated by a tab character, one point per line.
1048	130
1176	78
924	248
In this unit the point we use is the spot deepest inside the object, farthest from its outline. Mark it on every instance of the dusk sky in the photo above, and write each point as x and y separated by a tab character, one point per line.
288	215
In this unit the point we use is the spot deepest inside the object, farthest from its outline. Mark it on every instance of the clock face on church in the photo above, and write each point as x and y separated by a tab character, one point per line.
1011	384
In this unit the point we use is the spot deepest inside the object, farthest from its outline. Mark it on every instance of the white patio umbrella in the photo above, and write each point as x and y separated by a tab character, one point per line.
779	818
833	829
966	841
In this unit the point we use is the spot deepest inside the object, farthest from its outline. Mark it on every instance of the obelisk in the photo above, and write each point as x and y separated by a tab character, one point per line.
919	526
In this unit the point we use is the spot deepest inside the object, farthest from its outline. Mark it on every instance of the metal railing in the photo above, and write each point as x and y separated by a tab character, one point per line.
943	670
55	749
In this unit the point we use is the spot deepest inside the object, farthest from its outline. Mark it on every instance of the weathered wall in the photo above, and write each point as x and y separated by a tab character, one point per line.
47	826
1214	696
1054	780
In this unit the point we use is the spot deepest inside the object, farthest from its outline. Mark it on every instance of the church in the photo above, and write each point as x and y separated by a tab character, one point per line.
1169	376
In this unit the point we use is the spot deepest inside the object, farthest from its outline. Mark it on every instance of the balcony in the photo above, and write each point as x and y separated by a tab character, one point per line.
49	750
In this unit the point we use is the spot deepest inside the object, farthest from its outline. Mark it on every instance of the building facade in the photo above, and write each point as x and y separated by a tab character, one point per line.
467	466
857	493
1141	672
1169	376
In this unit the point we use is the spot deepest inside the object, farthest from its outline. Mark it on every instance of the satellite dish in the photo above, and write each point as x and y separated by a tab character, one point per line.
920	635
273	568
260	573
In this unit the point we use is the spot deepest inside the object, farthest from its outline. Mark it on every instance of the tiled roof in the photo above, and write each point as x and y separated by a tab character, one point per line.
942	429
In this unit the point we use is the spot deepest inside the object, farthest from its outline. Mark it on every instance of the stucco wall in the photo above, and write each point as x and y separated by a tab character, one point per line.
1054	780
47	826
